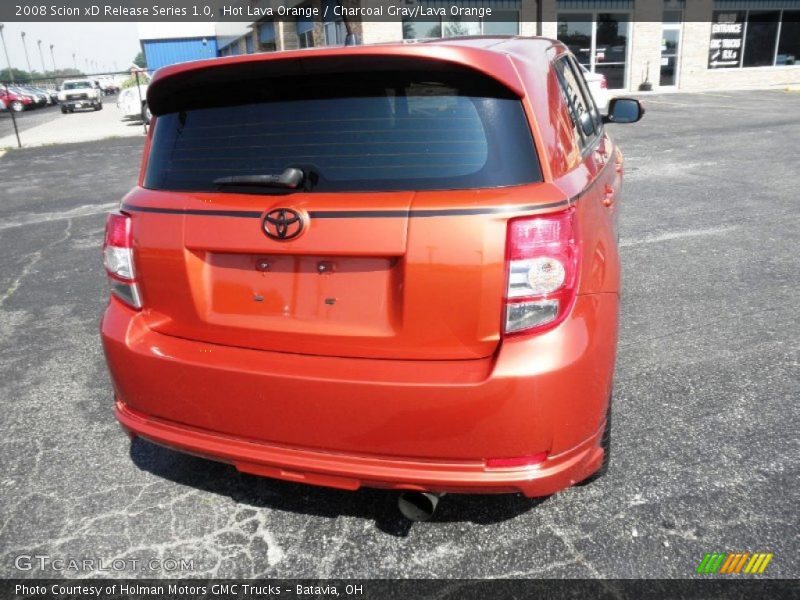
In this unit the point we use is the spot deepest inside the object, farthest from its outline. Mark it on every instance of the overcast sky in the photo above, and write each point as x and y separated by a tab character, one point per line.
105	43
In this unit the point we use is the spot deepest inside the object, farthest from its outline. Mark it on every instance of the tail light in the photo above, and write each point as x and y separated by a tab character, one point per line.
118	259
542	255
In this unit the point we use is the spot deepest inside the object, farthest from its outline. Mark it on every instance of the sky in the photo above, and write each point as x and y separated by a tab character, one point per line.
107	44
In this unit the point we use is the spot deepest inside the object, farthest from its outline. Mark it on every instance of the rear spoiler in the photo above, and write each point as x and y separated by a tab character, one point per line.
170	83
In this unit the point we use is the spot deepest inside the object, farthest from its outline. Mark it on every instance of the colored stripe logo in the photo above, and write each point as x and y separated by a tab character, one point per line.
734	562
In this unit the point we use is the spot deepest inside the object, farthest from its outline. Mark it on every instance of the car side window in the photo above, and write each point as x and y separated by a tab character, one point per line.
587	94
581	106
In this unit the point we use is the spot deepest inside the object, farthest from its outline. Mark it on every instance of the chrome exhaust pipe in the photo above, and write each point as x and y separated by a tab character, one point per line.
418	506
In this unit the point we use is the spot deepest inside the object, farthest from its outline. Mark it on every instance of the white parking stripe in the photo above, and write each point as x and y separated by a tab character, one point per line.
79	211
675	235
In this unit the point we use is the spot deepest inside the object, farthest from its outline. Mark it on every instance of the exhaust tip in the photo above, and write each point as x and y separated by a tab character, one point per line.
418	506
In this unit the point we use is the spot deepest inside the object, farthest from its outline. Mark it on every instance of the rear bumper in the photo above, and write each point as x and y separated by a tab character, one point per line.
348	423
351	472
80	103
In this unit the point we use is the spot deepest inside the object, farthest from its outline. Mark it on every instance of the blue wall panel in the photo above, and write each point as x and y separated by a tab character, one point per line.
160	53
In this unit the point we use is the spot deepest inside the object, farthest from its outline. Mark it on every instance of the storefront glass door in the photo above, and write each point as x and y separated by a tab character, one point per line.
599	41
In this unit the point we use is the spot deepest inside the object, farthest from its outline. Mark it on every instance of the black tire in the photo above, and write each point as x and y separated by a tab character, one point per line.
17	106
605	444
146	114
98	106
71	110
63	110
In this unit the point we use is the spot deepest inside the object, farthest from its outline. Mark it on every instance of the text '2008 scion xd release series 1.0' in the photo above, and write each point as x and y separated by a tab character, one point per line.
391	266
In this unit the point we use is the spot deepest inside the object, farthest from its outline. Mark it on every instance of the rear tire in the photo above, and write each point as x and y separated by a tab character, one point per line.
98	106
146	114
17	106
63	110
605	444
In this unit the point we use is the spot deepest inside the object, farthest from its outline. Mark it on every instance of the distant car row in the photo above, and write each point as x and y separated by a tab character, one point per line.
73	93
19	98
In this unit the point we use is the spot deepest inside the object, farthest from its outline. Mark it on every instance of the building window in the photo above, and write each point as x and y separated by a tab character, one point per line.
789	43
502	22
266	36
599	40
335	33
670	48
754	38
248	44
305	31
761	37
421	29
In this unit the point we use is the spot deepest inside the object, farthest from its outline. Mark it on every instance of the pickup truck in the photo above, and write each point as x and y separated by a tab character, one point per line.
79	93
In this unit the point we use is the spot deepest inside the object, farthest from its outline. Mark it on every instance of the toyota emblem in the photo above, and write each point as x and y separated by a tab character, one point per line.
282	224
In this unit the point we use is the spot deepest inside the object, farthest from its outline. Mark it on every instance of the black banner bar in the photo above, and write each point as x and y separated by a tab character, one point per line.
732	588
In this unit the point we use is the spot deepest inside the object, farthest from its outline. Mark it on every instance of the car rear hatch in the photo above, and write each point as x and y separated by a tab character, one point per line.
391	245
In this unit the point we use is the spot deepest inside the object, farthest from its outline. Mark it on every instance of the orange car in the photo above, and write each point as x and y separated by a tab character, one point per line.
391	266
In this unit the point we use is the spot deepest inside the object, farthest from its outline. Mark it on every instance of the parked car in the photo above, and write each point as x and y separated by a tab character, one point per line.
132	102
598	86
79	93
32	100
38	97
108	84
51	96
402	276
15	101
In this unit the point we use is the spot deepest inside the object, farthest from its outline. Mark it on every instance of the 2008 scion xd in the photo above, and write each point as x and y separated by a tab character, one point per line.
391	266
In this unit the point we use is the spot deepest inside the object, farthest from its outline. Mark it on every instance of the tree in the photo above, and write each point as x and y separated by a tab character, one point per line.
140	61
20	76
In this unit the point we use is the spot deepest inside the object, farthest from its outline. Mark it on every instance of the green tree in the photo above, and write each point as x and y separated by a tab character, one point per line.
140	61
20	76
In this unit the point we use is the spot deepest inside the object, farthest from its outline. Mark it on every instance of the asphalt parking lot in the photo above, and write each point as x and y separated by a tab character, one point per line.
705	447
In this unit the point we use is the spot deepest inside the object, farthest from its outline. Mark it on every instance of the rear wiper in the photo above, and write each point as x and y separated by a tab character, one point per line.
291	178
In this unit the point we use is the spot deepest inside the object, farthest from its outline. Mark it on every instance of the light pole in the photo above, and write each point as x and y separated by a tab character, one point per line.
2	37
74	61
41	57
27	58
53	56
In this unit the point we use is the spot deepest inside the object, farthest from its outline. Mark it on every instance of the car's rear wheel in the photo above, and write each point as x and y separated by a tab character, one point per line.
17	106
146	114
63	110
98	106
605	444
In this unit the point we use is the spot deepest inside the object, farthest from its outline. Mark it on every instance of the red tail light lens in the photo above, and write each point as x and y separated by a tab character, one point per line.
118	259
542	271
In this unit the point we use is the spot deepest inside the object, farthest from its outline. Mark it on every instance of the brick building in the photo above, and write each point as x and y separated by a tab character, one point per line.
670	44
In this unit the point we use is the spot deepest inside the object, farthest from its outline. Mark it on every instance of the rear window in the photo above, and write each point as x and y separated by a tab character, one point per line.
356	132
77	85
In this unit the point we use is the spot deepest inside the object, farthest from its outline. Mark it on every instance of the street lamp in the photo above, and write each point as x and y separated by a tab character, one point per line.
27	58
74	61
2	37
41	57
53	56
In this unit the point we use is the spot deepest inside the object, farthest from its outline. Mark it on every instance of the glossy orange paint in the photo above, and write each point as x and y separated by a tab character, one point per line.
405	381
